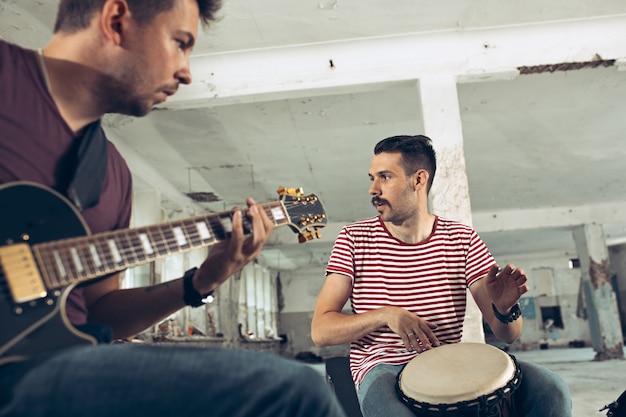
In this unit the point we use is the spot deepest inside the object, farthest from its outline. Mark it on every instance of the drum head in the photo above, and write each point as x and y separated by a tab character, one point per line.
457	372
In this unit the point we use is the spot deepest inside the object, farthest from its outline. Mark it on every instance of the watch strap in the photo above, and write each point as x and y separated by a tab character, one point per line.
191	296
513	315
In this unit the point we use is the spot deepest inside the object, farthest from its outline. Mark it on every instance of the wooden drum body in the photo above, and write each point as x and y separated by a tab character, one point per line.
459	380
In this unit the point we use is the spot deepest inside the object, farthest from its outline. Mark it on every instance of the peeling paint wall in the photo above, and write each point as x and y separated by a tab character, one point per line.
600	273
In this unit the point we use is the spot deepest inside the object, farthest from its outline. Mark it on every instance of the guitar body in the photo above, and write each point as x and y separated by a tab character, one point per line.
34	214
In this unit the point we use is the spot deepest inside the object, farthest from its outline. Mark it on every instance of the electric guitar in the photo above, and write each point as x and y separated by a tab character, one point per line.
46	249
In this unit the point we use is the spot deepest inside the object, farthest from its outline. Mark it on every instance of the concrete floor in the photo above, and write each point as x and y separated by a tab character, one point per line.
592	384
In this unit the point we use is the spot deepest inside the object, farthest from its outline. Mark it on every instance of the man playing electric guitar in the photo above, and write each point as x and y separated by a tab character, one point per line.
124	56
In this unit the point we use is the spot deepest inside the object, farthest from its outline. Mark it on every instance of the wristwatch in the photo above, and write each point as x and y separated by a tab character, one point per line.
513	315
191	296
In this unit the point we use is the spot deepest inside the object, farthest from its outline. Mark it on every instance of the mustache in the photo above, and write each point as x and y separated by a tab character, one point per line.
378	200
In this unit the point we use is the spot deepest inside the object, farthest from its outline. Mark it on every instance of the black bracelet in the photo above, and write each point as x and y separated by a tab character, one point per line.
191	296
513	315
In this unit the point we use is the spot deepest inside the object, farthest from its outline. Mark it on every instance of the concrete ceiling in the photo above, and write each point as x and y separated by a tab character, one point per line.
296	93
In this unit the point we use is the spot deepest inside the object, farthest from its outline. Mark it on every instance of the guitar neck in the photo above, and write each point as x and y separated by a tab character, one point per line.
67	261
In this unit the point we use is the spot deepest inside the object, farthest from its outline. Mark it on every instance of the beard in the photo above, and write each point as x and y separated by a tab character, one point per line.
404	204
128	90
116	96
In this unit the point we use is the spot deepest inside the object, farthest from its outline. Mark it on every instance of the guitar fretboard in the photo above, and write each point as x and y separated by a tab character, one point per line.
67	261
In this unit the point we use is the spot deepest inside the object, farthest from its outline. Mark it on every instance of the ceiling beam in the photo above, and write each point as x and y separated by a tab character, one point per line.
524	219
469	54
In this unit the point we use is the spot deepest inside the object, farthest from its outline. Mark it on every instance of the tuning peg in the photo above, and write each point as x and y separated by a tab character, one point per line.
308	235
304	237
318	234
290	191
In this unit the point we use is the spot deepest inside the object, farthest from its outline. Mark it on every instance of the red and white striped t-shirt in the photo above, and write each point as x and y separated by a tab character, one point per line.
429	278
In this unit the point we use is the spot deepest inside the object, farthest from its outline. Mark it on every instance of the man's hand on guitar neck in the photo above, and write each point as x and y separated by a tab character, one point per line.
230	256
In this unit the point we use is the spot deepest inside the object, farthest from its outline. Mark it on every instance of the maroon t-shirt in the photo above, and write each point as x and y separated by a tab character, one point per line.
34	139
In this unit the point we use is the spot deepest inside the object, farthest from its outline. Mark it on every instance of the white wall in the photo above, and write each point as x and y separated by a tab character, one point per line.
301	288
566	286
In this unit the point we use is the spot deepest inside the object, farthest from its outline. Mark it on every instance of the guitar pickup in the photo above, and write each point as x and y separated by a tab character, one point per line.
21	273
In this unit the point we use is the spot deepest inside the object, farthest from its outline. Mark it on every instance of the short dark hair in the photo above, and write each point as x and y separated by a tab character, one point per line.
417	153
75	15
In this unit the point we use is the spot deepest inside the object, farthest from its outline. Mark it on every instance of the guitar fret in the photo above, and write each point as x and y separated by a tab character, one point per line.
146	244
227	225
73	261
192	233
59	264
73	272
86	259
125	247
83	258
65	268
93	251
137	246
106	254
203	231
189	237
117	257
170	239
128	243
220	225
160	243
46	266
149	244
51	272
76	259
179	235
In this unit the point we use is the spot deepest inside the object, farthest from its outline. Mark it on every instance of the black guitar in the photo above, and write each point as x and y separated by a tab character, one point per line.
47	249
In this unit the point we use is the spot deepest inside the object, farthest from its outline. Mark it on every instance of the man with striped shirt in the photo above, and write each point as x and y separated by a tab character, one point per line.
406	272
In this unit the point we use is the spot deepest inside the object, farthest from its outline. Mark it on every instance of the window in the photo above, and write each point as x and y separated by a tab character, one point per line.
258	305
551	317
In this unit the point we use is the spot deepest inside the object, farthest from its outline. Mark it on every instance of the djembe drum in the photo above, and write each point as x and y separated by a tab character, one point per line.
460	380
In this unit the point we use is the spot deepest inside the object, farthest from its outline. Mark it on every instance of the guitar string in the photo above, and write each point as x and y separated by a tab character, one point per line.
194	240
192	233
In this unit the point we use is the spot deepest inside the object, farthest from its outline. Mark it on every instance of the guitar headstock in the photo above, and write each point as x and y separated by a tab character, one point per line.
305	212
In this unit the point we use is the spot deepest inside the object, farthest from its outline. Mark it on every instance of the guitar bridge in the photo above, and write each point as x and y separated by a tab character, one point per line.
21	273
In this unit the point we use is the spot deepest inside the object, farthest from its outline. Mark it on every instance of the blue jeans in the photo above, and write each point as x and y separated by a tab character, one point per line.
155	381
541	393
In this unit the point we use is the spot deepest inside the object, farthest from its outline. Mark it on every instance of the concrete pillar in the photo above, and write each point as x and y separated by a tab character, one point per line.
617	256
449	196
605	327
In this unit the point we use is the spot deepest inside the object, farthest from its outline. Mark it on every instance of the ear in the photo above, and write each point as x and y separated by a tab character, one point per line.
421	179
115	13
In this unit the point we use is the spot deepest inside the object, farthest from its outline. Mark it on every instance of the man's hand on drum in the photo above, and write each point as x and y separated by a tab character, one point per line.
505	287
416	333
